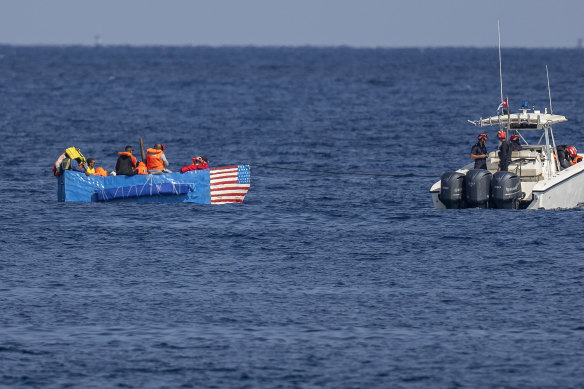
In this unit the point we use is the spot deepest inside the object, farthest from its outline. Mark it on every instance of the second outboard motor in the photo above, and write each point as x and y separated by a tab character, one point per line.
506	190
452	190
478	188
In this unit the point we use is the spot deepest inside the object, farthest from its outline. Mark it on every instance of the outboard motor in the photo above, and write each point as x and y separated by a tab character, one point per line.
452	190
478	188
506	190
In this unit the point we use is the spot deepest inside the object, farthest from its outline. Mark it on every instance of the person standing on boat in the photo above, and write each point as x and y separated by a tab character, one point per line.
515	145
126	163
156	161
504	152
479	152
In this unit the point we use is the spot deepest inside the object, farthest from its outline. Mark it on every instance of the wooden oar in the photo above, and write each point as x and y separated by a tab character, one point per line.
142	151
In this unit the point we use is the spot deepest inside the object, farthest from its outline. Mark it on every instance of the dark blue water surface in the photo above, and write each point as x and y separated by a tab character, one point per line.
317	279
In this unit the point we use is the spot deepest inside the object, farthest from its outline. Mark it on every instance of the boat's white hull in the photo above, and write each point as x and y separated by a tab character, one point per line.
565	190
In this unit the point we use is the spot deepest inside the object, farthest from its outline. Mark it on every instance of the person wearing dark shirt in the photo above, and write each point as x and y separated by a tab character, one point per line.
563	156
73	164
504	152
515	145
126	164
479	152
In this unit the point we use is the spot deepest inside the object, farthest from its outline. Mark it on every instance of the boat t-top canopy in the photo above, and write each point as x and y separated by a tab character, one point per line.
521	121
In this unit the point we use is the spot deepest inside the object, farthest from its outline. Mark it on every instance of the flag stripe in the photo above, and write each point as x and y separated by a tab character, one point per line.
223	180
230	187
229	184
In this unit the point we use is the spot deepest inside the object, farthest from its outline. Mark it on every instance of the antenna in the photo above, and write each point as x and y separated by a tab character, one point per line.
549	90
500	66
557	164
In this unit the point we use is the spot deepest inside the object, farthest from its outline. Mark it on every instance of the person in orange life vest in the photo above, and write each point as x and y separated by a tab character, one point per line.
91	170
573	153
156	161
199	163
126	163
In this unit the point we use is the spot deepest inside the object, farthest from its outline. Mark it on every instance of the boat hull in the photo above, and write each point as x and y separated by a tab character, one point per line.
208	186
565	190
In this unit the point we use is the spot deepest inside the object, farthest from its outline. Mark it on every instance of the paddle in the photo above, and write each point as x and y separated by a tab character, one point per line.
142	151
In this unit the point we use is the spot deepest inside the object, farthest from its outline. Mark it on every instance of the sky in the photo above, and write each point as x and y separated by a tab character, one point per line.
355	23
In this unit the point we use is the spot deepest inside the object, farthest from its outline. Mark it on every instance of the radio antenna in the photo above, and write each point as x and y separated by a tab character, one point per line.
500	66
549	90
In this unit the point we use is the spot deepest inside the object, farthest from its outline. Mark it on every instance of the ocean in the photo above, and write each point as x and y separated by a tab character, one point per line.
335	272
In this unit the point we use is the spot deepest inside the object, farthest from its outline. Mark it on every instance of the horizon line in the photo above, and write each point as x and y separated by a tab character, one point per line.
347	46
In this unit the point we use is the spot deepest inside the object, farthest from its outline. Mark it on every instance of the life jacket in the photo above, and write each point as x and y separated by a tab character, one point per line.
154	159
57	165
74	153
64	161
577	159
126	165
99	171
141	168
90	170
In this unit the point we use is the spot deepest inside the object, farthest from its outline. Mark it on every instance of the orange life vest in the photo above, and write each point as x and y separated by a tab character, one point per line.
99	171
154	159
577	159
129	155
141	168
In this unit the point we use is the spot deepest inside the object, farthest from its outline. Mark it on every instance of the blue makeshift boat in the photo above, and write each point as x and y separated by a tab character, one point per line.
209	186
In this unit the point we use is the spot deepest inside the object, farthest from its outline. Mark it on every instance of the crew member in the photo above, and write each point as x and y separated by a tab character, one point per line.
564	156
515	145
573	153
199	163
504	152
126	163
479	152
156	161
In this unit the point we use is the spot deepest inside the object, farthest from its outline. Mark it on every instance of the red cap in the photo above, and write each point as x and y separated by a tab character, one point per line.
501	134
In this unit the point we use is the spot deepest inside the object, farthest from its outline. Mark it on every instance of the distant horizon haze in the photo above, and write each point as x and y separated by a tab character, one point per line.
319	23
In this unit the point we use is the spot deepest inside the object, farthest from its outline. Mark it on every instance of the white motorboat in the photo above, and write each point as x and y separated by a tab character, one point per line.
534	180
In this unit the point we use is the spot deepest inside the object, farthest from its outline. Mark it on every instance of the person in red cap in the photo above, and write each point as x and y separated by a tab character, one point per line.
479	152
504	152
515	145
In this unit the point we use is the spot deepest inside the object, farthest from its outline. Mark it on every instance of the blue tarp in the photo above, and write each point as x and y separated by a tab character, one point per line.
145	190
192	187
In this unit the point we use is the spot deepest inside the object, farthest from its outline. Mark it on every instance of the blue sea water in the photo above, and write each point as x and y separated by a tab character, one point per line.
318	279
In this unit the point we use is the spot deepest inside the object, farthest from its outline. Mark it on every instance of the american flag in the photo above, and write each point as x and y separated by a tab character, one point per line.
229	184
